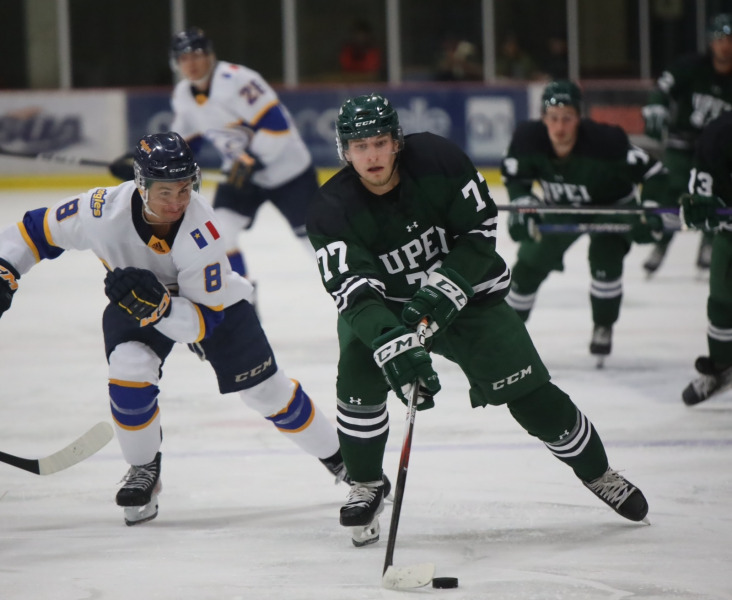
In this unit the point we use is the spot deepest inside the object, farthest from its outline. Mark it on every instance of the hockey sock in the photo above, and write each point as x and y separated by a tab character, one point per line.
549	414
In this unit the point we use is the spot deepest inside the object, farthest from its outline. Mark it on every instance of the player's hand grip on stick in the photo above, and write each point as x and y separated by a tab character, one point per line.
701	212
439	301
404	361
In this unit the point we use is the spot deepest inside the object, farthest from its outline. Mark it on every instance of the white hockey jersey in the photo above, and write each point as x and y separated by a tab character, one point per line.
194	266
240	97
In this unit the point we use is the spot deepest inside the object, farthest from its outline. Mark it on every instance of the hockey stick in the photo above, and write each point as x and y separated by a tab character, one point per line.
65	159
55	157
589	228
92	441
412	576
597	210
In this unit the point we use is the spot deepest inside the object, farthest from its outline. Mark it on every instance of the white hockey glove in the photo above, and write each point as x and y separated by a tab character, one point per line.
232	144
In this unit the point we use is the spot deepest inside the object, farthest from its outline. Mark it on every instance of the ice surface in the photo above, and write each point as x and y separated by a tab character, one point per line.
244	515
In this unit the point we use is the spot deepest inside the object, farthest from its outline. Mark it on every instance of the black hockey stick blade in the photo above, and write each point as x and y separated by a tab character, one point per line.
91	442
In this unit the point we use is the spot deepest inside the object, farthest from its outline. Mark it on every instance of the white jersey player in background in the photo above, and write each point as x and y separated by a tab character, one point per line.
262	152
168	280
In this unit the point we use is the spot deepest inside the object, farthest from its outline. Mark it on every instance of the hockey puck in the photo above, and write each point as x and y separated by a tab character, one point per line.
445	582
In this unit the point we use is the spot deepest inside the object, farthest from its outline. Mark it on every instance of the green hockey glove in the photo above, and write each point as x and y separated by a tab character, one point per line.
440	300
8	284
700	212
138	293
523	226
404	361
655	118
649	228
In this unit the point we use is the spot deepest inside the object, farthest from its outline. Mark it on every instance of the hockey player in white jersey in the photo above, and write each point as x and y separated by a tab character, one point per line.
262	152
168	280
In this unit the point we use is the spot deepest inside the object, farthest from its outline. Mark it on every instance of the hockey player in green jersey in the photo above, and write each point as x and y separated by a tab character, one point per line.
577	162
690	93
406	231
710	185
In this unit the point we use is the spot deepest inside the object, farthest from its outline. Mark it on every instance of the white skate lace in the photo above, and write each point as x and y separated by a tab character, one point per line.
601	336
612	487
140	478
361	495
705	385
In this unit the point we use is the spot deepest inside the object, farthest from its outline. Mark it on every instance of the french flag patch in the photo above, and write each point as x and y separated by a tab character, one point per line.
200	239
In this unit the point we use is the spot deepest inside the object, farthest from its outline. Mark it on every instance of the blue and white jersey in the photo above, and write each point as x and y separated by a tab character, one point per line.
190	261
242	111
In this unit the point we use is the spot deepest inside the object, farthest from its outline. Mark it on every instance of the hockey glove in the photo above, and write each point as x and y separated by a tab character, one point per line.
440	300
655	118
138	293
700	212
122	168
650	227
8	284
523	226
404	361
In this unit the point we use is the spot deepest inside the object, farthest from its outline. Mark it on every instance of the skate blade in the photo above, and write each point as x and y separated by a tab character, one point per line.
600	363
366	535
135	515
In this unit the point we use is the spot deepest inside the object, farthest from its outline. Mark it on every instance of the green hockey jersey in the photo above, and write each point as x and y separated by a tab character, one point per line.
695	94
374	252
602	169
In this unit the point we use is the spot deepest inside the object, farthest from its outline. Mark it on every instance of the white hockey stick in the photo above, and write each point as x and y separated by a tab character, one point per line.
91	442
412	576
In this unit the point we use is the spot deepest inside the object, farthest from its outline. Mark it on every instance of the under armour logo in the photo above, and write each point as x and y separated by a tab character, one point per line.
414	225
353	400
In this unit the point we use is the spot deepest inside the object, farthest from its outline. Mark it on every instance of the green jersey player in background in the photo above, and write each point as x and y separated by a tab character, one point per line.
689	94
710	185
577	163
406	231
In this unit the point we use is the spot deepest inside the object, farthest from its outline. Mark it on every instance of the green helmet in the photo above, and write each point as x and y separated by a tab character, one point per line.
366	116
719	26
561	93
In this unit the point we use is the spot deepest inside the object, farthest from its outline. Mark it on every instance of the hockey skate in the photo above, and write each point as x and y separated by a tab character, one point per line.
139	494
601	343
620	495
335	465
655	259
712	381
361	511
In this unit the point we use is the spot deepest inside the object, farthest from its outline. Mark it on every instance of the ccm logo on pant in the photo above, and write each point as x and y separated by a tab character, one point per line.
518	375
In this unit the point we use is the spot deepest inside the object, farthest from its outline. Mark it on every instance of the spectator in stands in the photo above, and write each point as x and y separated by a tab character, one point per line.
459	60
513	62
555	63
360	58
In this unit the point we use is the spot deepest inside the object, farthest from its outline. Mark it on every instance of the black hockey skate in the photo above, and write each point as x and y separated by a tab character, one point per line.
712	381
335	465
139	494
361	511
601	343
655	259
620	495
